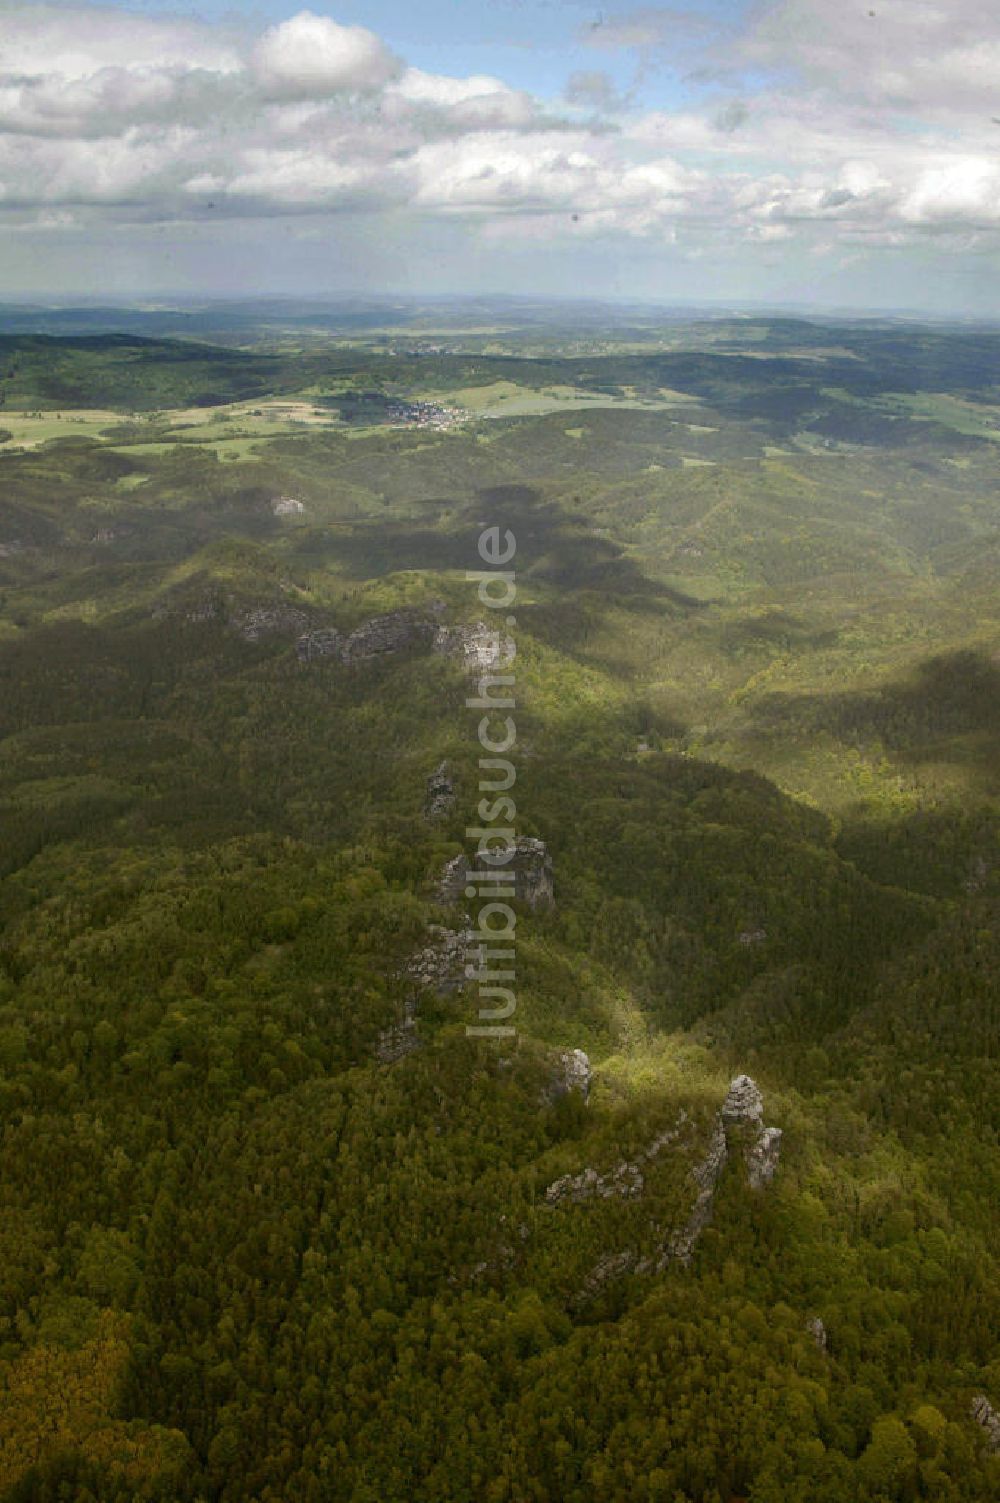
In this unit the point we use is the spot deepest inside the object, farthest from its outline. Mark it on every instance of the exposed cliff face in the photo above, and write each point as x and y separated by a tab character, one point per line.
322	643
762	1157
612	1266
743	1108
441	964
625	1182
195	610
451	884
398	631
532	866
269	619
273	620
572	1074
530	863
476	647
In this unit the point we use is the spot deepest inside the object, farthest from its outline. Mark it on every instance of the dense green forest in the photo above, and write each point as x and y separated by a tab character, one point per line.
248	1252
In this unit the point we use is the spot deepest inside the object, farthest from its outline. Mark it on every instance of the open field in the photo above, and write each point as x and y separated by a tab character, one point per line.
977	419
513	399
29	429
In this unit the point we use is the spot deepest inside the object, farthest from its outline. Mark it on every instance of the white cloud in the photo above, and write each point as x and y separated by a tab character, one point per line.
138	118
577	180
436	89
927	55
75	42
963	191
310	56
478	102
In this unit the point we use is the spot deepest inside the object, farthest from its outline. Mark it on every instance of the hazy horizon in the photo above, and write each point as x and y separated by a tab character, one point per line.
387	300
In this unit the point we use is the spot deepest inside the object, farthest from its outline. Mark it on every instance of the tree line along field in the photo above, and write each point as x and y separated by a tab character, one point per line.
757	668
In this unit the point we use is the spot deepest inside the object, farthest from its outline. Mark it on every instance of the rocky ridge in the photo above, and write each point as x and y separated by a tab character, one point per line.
382	636
442	965
451	956
626	1180
269	618
741	1115
476	647
739	1122
530	863
264	621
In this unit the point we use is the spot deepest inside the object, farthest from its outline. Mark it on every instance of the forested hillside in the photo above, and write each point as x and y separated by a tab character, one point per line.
275	1227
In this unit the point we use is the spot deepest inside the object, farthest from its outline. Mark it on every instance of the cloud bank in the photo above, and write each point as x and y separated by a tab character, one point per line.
832	126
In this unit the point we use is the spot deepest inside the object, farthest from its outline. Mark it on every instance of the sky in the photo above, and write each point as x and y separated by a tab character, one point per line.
819	153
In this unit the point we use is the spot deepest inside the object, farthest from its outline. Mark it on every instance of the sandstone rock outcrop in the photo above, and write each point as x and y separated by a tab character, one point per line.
272	617
612	1266
477	647
740	1117
985	1415
397	631
817	1330
739	1123
530	864
625	1182
396	1042
532	867
440	798
680	1245
451	884
210	607
323	643
744	1108
442	964
743	1102
572	1073
762	1157
265	621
